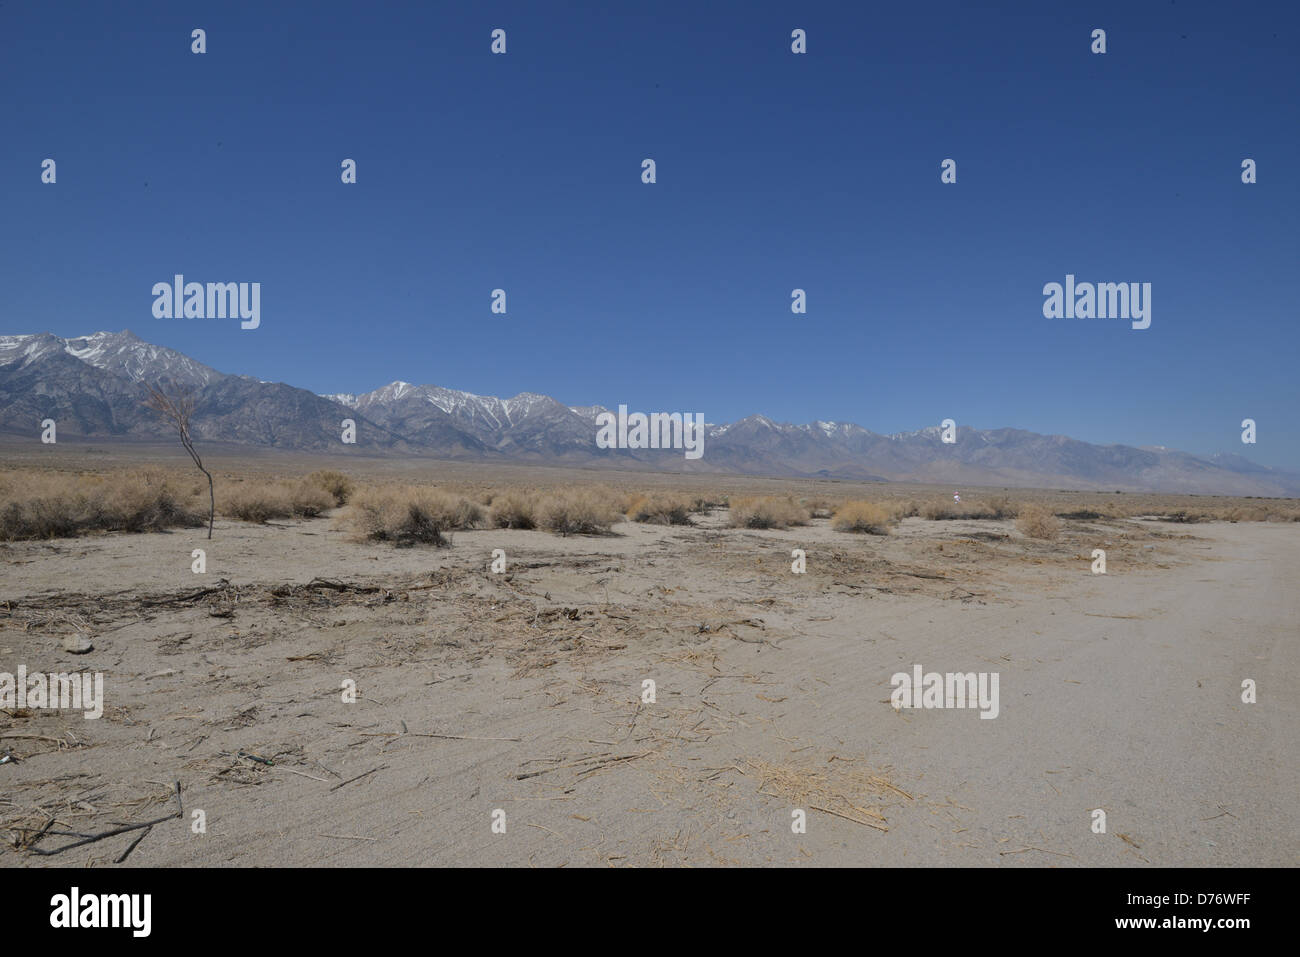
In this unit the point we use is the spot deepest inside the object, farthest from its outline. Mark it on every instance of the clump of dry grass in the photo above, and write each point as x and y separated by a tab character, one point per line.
660	509
260	502
706	503
581	511
410	515
58	506
856	794
339	486
862	517
1035	521
767	512
1000	506
941	510
1189	516
818	507
307	500
513	510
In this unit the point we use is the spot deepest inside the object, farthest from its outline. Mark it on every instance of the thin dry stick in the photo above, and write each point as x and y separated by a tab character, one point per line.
826	810
1021	850
99	837
280	767
358	777
131	847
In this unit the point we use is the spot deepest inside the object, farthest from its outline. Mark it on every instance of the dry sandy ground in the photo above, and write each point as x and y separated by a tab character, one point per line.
522	692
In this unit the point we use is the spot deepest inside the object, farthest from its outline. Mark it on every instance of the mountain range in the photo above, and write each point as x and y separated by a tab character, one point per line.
94	386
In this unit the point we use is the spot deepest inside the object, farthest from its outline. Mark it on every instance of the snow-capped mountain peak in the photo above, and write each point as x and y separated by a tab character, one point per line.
121	353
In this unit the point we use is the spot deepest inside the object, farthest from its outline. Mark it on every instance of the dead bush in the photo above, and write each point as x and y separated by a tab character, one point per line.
339	486
660	510
767	512
1035	521
862	517
706	503
952	511
407	516
1000	506
55	506
577	512
257	502
307	499
513	510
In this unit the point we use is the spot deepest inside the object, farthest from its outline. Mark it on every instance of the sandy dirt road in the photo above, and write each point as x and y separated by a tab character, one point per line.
522	693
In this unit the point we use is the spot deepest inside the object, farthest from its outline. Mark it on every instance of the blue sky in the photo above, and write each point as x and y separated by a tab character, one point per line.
775	171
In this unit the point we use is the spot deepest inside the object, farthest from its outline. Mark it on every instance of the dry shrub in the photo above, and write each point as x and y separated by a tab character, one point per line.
54	506
767	512
660	510
578	511
410	515
935	511
456	511
951	511
132	507
339	486
307	499
260	502
818	507
862	517
1000	506
513	510
1038	522
256	501
705	503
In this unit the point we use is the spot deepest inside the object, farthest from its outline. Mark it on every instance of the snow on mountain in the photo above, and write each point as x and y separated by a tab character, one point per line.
93	386
121	353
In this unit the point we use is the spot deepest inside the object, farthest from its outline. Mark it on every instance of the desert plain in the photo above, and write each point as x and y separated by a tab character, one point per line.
503	718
